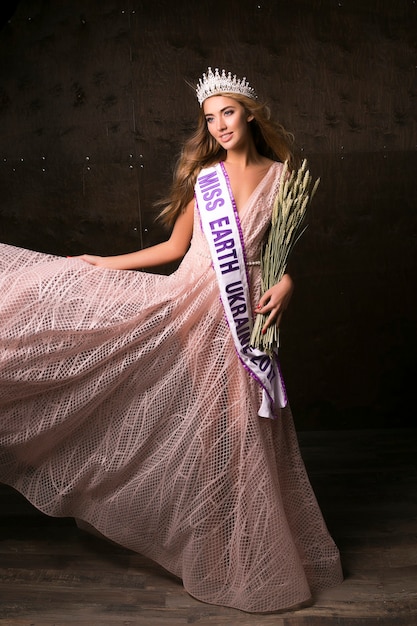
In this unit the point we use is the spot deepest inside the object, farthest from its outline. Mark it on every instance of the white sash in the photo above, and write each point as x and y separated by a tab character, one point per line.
221	226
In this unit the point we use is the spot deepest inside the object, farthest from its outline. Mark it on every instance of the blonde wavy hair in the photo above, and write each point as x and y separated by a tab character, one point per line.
202	150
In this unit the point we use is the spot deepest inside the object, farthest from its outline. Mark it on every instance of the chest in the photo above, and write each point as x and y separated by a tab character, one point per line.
244	185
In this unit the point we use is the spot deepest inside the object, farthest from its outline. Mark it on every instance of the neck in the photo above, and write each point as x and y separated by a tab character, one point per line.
243	158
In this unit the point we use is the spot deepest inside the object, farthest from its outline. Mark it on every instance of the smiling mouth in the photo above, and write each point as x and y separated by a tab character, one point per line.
226	136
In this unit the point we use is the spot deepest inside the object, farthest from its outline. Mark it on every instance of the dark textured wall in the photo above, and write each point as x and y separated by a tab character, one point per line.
94	106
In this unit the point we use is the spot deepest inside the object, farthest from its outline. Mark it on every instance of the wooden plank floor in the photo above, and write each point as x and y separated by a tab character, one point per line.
51	573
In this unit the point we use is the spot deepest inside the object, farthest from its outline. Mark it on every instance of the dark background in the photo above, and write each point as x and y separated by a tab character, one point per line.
94	106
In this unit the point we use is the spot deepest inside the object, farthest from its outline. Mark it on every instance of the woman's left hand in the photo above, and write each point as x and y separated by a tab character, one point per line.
274	301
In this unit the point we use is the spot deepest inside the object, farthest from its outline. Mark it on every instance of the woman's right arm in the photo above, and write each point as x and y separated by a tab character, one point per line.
171	250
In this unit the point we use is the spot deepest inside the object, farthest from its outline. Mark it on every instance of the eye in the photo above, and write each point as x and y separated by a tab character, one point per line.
209	119
229	112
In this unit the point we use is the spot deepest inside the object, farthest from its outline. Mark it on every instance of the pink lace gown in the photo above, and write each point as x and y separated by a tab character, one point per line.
123	404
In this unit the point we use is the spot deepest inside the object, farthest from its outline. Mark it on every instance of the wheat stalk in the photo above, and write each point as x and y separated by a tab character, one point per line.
287	226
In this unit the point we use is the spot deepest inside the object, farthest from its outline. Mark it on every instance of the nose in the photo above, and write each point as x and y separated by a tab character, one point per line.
220	123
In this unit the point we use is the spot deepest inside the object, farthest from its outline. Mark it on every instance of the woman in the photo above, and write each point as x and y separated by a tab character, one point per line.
132	401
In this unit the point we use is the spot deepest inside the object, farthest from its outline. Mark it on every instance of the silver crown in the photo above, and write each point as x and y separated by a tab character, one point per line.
211	84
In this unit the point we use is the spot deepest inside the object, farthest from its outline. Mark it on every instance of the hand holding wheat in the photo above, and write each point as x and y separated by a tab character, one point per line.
287	226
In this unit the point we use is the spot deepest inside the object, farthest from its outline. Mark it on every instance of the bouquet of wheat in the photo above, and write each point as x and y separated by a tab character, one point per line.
287	226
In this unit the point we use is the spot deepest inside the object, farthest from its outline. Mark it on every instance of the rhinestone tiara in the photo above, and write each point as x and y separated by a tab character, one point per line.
211	84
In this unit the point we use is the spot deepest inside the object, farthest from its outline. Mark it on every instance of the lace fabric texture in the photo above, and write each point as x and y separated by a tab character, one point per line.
123	404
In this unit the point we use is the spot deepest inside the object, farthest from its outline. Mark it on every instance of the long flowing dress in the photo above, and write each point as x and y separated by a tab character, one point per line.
123	404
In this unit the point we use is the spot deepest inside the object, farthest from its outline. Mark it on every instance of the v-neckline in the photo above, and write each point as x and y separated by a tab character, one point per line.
240	211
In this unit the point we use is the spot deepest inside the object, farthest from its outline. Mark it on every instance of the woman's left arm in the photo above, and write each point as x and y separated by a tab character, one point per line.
274	301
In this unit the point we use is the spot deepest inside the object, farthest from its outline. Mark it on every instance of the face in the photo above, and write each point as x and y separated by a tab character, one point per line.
227	121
